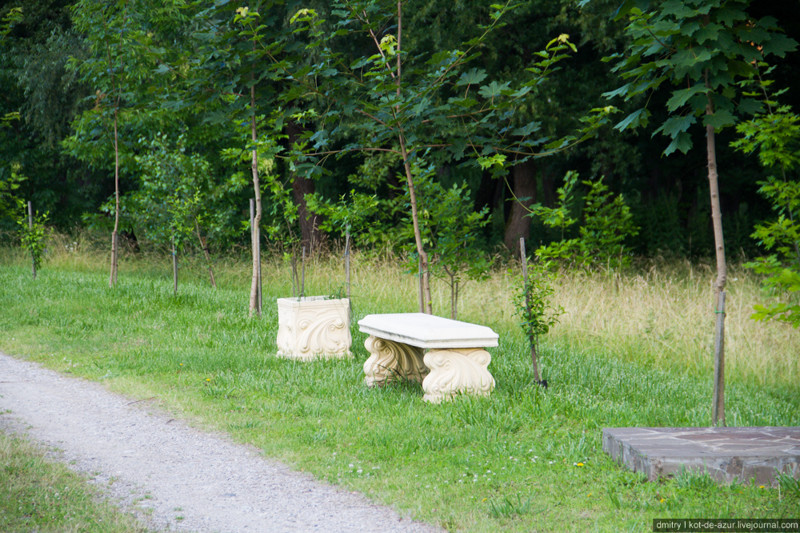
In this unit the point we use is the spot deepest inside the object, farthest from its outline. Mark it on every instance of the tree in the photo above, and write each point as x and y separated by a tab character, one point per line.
234	54
451	231
423	111
119	61
702	48
173	195
775	136
607	223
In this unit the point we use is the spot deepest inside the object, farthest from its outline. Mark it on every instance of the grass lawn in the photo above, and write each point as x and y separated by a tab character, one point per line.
633	349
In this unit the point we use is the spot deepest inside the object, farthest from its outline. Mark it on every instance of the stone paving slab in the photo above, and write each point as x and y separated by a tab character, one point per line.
727	454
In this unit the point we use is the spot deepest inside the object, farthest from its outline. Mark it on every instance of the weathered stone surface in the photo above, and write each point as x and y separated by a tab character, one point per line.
313	327
727	454
428	331
456	362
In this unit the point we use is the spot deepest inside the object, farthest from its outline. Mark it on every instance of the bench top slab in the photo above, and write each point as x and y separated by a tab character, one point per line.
428	331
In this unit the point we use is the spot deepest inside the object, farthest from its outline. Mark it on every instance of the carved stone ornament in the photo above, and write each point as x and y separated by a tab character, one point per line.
391	360
457	371
314	327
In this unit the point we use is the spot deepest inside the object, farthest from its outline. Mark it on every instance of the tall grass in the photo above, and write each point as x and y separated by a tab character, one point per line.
631	349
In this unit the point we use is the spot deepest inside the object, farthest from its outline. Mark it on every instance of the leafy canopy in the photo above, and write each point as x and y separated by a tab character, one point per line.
701	49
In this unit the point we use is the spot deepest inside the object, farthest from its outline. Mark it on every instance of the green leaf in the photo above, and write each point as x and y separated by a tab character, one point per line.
493	89
720	119
634	120
472	77
677	9
709	32
779	45
674	126
680	97
681	142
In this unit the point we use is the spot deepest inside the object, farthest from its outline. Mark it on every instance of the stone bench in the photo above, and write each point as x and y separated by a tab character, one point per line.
455	361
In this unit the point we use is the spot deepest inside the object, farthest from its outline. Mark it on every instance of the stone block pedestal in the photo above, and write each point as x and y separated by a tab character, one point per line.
313	327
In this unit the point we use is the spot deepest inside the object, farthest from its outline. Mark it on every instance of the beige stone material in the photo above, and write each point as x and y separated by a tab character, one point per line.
312	327
391	360
457	372
456	362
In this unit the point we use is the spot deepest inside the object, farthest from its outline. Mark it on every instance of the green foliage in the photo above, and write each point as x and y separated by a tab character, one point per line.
359	213
607	223
173	191
789	485
32	236
533	304
10	202
775	136
702	48
425	107
451	231
12	17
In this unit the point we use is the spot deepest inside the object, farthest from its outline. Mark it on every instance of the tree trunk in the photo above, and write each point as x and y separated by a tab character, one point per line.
312	237
519	223
112	279
255	285
718	410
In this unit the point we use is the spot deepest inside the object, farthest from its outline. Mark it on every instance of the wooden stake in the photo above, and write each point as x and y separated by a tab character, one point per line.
30	227
174	268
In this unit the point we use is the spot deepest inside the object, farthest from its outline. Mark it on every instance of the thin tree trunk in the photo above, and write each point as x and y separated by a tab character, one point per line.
204	247
425	302
112	279
255	285
425	297
718	410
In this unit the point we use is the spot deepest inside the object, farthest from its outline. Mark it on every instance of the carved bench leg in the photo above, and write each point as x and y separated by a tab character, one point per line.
461	371
392	360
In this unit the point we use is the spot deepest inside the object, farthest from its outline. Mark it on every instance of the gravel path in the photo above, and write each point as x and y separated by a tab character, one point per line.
163	469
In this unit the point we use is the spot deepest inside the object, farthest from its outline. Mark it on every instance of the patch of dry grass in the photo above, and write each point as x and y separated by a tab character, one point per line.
660	313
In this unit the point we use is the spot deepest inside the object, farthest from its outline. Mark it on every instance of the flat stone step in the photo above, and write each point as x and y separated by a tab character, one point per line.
727	454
